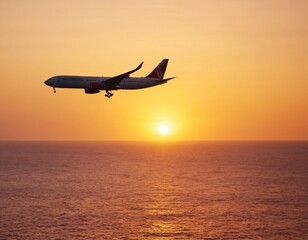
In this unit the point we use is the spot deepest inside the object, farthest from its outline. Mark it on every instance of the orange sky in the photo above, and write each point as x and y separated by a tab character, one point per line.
241	69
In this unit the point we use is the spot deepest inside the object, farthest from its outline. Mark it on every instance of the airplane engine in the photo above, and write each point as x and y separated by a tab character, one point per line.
91	90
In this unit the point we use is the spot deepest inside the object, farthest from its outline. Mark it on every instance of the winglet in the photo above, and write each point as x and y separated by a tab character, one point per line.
136	69
139	66
115	80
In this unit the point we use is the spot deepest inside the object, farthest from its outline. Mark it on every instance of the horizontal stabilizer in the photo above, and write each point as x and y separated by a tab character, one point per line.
164	80
167	79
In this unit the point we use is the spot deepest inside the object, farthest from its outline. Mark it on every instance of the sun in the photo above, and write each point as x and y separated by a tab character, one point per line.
163	129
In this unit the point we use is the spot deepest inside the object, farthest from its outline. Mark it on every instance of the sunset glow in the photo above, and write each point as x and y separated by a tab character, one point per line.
162	119
240	69
163	129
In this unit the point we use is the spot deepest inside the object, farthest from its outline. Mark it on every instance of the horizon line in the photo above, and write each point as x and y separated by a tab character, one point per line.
164	140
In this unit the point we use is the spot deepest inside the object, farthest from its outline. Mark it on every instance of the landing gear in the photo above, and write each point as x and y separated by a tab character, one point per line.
108	94
54	90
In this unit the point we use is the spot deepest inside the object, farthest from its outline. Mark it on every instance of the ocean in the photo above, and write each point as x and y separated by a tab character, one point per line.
154	190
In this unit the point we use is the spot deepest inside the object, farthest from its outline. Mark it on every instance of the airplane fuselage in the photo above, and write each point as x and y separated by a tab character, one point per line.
90	82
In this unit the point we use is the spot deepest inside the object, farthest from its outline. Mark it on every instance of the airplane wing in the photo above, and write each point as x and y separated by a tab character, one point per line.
114	81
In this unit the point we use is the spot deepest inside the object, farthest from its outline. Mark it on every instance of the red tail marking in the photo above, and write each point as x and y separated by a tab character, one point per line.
159	71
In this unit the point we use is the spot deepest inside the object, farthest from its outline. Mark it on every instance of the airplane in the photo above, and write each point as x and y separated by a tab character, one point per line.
92	85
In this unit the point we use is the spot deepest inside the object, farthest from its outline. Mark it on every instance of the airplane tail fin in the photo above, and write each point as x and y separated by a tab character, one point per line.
160	70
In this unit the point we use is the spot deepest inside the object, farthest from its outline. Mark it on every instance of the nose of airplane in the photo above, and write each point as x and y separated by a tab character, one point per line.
48	82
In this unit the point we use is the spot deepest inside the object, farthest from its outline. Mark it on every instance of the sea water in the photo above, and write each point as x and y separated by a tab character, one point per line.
154	190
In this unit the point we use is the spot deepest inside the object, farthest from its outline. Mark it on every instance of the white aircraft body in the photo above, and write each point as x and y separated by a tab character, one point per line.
92	84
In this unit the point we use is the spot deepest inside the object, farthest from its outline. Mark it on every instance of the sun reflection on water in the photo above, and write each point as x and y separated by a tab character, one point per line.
164	212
